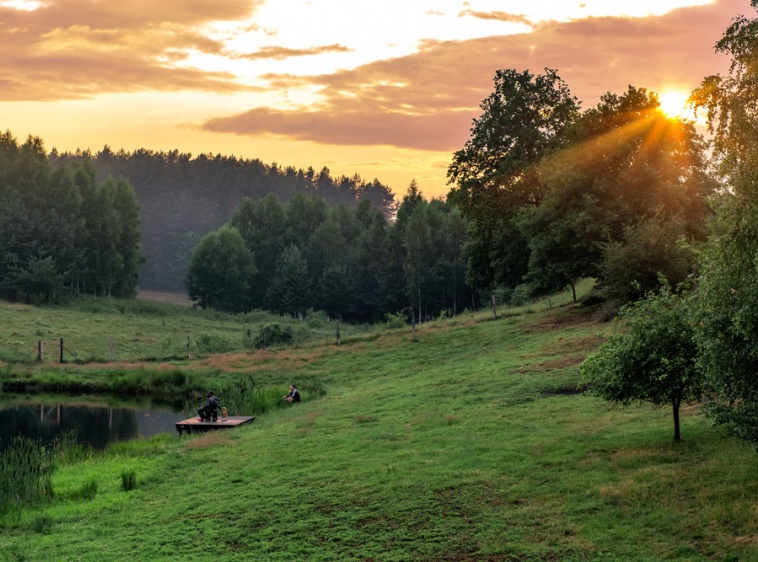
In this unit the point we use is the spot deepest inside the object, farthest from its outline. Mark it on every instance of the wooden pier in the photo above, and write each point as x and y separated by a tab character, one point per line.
194	424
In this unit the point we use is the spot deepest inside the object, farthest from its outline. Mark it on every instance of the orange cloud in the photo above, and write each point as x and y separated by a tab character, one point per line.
78	48
497	16
427	100
280	53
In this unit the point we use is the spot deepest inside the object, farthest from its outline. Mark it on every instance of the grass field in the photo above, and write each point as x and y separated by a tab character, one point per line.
466	440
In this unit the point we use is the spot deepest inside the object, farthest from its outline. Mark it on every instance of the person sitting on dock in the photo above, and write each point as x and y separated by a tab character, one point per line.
293	396
209	410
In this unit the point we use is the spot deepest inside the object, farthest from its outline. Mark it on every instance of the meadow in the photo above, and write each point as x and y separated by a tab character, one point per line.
469	439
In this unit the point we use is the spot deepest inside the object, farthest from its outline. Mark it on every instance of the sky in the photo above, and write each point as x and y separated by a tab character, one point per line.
386	90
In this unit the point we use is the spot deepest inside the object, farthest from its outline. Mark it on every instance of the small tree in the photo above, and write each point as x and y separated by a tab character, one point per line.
654	360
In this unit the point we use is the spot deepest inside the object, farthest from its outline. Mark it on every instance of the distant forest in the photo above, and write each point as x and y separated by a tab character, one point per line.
182	198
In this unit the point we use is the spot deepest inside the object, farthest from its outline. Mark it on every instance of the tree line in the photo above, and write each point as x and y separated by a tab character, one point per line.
354	264
183	197
61	229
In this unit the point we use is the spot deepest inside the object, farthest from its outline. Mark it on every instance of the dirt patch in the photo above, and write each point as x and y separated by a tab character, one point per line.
571	317
551	365
589	343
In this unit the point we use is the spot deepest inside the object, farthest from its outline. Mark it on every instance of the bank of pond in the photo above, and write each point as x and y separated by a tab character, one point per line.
98	420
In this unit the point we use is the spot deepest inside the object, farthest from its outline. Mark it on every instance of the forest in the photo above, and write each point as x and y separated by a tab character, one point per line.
184	197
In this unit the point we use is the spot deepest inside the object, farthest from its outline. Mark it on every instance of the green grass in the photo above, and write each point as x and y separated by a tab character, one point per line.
466	440
104	329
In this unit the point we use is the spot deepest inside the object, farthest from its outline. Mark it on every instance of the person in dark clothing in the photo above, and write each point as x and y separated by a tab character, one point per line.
209	410
293	396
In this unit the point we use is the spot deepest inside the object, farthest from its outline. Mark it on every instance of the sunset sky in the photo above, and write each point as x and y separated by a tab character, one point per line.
383	89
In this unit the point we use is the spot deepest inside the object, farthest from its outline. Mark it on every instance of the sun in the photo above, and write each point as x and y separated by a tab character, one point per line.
673	103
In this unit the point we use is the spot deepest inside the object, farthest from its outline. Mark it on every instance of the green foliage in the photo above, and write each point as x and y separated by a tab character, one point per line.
42	524
522	120
220	272
273	334
61	229
727	319
244	398
128	479
396	321
653	360
26	469
617	185
289	289
213	343
648	251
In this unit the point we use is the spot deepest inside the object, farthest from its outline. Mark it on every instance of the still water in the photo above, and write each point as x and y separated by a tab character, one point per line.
94	421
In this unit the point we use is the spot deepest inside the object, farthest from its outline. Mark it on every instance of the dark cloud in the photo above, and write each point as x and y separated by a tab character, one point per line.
280	53
427	100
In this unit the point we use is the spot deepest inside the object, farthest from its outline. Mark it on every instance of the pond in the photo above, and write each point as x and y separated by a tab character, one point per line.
95	421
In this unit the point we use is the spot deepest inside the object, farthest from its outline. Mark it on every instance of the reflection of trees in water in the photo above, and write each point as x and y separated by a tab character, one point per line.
94	425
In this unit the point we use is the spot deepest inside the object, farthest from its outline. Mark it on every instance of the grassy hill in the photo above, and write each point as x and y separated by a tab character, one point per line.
466	440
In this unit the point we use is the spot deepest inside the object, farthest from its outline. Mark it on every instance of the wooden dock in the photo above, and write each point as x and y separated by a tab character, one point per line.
194	424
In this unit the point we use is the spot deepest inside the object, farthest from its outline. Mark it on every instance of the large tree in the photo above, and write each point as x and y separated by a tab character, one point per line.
522	120
624	163
220	271
728	287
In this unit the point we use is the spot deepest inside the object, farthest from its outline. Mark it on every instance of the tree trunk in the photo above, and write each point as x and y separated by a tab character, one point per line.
675	407
573	290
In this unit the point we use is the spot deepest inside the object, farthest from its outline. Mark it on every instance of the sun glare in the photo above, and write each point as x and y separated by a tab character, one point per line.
673	103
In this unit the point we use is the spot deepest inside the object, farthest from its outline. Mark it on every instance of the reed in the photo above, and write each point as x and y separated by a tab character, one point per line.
26	470
246	399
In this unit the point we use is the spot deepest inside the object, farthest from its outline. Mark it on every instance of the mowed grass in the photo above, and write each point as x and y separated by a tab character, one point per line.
466	440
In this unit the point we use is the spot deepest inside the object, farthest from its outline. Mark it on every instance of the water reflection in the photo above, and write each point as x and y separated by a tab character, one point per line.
96	423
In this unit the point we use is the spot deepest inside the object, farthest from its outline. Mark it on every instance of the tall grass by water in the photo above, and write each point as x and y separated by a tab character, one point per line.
26	470
248	399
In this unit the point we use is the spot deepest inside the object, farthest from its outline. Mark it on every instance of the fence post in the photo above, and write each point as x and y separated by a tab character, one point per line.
188	348
111	347
39	351
60	354
413	321
338	332
494	307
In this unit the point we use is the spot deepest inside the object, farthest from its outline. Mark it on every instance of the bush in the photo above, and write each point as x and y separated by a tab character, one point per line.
394	321
213	343
271	334
316	319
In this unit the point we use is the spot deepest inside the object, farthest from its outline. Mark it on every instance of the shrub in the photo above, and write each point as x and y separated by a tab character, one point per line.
271	334
213	343
394	321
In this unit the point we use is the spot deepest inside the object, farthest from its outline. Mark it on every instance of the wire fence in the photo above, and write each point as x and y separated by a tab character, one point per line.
60	350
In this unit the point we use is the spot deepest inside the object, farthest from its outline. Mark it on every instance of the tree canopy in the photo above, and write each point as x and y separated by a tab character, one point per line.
62	229
554	193
727	319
